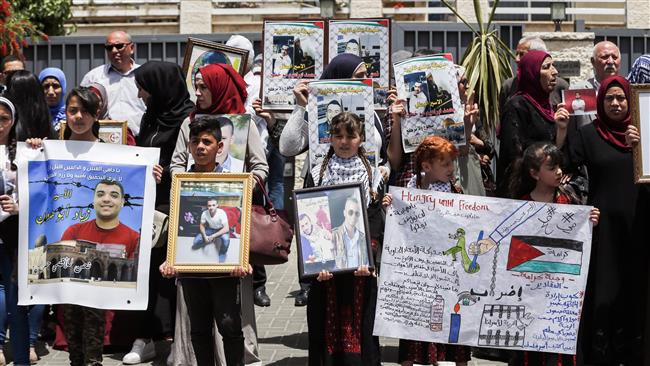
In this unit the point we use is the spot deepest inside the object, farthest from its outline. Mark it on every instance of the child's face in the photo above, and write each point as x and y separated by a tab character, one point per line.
548	174
439	170
345	145
204	148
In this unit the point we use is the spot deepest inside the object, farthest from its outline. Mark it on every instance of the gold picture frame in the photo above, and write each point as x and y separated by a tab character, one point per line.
110	131
195	248
640	111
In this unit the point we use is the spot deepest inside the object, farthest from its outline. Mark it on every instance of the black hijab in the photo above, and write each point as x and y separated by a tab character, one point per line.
342	66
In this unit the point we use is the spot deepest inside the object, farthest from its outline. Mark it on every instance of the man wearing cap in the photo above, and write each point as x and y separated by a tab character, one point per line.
282	62
418	100
118	79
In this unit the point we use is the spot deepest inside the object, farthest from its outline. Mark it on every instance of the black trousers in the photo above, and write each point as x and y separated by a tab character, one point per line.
218	299
259	277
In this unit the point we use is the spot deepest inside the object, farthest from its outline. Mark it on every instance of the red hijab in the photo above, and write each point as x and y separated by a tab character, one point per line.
612	131
228	90
528	83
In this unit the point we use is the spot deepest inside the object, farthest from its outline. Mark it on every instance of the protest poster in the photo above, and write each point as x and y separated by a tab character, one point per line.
370	40
327	99
429	89
293	51
86	224
579	102
484	272
234	135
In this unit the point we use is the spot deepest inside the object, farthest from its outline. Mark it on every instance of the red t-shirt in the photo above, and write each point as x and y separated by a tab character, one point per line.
89	231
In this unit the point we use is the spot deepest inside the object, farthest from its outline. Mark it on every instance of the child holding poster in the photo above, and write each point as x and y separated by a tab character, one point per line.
434	170
84	326
337	305
537	177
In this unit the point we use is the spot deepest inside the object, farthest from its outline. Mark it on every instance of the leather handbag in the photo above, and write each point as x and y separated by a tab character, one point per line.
270	234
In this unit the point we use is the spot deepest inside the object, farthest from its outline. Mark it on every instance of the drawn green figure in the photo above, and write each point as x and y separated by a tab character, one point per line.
460	248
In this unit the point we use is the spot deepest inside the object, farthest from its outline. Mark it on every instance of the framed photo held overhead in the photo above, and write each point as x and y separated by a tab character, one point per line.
293	51
640	104
199	52
331	229
113	132
209	222
370	40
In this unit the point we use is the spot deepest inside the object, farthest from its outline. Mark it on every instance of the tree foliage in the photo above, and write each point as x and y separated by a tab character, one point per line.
15	30
49	16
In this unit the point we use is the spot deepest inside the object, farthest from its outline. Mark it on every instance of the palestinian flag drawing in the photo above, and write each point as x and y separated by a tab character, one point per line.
544	255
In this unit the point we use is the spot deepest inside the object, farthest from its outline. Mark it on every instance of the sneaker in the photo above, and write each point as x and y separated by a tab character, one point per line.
33	357
141	351
3	362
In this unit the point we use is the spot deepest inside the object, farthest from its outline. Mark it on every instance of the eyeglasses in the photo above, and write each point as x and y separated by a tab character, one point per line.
353	212
118	46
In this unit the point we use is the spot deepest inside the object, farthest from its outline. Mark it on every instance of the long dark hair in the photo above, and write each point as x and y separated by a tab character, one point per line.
11	138
32	113
351	124
521	182
90	104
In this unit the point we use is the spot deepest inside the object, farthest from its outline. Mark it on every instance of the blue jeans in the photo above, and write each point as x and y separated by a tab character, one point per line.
225	241
275	181
18	315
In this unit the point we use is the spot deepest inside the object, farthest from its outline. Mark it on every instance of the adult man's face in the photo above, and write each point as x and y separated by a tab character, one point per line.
212	207
351	213
521	50
333	110
305	225
9	68
226	137
108	201
606	60
119	50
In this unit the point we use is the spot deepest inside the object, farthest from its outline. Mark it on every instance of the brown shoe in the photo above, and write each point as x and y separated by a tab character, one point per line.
33	357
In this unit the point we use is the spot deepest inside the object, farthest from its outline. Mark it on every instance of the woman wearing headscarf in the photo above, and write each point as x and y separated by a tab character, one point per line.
219	89
54	85
528	116
101	93
612	321
162	88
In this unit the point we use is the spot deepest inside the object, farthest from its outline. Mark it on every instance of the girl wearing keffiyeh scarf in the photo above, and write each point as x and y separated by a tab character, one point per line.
433	170
340	309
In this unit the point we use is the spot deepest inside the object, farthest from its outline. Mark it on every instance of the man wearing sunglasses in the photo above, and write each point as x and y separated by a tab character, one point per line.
349	241
119	80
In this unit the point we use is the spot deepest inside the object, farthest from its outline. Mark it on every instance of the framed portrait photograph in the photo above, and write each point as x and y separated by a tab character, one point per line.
326	100
369	39
209	222
234	134
199	53
331	229
640	104
293	51
429	86
579	101
113	132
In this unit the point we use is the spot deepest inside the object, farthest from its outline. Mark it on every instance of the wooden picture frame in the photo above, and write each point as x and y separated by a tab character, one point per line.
110	131
190	220
322	216
278	81
640	111
199	52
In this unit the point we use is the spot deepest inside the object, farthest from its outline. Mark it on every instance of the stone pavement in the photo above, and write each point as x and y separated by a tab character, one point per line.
282	328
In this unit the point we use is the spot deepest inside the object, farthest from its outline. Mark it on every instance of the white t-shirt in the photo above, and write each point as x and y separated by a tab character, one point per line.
578	106
216	222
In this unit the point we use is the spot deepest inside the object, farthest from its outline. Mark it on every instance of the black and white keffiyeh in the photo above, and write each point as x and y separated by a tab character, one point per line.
340	171
435	186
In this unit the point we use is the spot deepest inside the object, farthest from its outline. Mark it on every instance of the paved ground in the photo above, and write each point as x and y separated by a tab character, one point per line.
282	328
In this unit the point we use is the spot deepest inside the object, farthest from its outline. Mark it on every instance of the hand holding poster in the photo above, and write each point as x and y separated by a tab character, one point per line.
86	224
370	40
429	88
483	271
329	98
293	50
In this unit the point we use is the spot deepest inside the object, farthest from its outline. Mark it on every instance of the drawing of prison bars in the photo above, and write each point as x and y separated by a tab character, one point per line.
501	335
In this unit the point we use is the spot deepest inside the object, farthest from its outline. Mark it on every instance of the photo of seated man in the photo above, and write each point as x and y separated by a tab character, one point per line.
213	228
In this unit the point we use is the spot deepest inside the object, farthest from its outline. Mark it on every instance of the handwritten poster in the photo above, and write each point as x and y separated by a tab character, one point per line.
370	40
484	272
293	51
429	88
329	98
86	224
